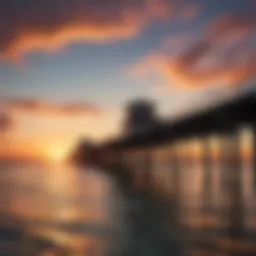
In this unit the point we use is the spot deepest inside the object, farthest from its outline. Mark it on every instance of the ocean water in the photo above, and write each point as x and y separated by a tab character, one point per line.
71	210
65	210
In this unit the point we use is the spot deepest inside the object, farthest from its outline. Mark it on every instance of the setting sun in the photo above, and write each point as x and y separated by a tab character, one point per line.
58	154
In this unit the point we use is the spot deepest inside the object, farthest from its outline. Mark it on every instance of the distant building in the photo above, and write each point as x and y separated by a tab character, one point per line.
140	117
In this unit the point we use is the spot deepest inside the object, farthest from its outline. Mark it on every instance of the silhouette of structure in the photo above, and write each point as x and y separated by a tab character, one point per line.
139	153
83	152
141	117
88	153
151	155
223	119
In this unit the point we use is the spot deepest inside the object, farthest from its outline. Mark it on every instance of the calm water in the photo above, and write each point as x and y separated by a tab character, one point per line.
70	211
74	209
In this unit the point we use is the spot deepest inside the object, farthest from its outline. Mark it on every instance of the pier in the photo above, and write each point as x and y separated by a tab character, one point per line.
166	162
223	124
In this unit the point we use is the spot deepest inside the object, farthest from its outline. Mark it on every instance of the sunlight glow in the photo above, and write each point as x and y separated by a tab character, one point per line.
58	154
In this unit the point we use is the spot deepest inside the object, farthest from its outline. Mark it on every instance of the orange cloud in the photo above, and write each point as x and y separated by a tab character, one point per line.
43	107
218	75
6	122
223	55
52	24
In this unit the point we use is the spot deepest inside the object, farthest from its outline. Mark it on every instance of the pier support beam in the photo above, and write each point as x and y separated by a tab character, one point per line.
176	175
233	184
254	157
207	172
148	168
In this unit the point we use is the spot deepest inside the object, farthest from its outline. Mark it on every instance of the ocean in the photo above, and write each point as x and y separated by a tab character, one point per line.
66	210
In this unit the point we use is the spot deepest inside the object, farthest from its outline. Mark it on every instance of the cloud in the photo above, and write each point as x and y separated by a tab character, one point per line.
228	24
6	122
190	12
32	106
179	41
46	25
224	54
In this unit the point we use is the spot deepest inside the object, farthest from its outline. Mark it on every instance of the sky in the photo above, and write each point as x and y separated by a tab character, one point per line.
68	67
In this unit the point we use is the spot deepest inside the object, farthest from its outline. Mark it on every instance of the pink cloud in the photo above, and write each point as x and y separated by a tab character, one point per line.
190	12
40	107
52	24
229	24
223	55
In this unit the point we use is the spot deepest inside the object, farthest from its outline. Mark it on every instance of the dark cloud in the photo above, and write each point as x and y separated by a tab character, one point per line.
190	56
32	106
27	25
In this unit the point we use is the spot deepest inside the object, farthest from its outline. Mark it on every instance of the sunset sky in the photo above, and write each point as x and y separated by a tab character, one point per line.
67	67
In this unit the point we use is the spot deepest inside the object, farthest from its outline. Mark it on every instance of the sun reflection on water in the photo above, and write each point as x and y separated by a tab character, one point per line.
61	204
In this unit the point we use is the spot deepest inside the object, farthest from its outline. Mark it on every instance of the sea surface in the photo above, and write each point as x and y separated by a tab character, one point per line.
75	210
65	210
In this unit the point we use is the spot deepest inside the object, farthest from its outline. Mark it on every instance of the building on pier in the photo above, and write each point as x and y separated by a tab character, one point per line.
141	117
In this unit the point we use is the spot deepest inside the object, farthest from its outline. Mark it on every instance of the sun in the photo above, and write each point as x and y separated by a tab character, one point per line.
58	154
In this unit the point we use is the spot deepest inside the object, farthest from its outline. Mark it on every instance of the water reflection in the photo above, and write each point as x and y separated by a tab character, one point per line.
215	193
72	209
177	205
